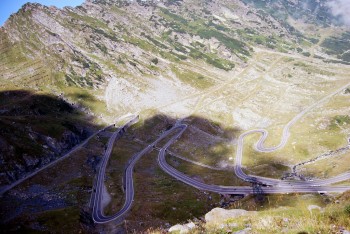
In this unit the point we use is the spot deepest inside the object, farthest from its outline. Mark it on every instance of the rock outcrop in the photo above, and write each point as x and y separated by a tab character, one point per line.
185	228
218	216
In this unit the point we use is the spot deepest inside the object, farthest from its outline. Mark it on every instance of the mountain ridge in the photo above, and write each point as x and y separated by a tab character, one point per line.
222	67
117	50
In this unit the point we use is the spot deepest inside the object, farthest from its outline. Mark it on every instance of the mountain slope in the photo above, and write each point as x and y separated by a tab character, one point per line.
222	67
36	130
105	47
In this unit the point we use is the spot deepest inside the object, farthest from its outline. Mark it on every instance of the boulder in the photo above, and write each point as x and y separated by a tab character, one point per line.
244	231
219	216
179	228
182	228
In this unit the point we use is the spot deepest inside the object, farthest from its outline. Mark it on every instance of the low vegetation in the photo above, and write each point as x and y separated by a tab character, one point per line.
338	46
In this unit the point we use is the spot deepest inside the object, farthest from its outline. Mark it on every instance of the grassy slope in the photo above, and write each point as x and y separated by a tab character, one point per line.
290	213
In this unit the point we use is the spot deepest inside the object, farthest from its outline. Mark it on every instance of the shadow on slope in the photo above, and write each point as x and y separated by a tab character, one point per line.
36	129
58	199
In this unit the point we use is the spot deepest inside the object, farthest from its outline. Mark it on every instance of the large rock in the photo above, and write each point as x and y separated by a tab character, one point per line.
218	216
244	231
182	228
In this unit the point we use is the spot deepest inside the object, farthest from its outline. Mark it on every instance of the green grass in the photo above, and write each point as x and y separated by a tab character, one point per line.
209	176
328	167
194	79
90	21
234	45
207	31
143	44
122	151
212	59
340	121
156	42
16	62
338	46
175	202
288	213
65	219
85	98
253	37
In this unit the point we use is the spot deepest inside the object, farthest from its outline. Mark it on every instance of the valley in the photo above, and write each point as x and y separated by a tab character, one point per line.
235	104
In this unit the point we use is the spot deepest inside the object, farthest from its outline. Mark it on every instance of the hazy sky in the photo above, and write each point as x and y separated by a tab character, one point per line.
7	7
341	8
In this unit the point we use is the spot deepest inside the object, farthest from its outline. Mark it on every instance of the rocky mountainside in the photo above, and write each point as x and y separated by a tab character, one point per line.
36	130
220	66
127	54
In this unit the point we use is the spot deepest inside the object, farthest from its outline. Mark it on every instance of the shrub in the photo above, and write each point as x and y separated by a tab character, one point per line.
155	60
347	209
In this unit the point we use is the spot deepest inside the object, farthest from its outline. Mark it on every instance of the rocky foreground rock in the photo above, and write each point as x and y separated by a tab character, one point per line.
216	218
219	216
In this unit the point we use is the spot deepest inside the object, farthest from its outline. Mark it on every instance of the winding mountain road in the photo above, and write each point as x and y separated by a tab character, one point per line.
99	217
285	135
296	188
97	214
273	185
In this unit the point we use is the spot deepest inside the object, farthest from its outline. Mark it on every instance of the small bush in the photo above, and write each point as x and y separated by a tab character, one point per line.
155	61
307	54
347	209
342	119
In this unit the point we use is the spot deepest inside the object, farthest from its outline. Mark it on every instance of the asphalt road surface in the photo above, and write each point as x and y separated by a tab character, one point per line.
310	187
97	214
285	135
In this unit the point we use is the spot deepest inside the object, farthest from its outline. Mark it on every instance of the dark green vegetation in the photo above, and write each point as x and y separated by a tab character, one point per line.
347	209
340	121
338	46
313	11
192	78
55	199
206	31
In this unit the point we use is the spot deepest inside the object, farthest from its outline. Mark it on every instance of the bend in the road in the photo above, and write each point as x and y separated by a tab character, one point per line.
284	138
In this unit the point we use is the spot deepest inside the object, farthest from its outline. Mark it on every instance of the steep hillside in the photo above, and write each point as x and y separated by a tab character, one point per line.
36	130
222	67
150	54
